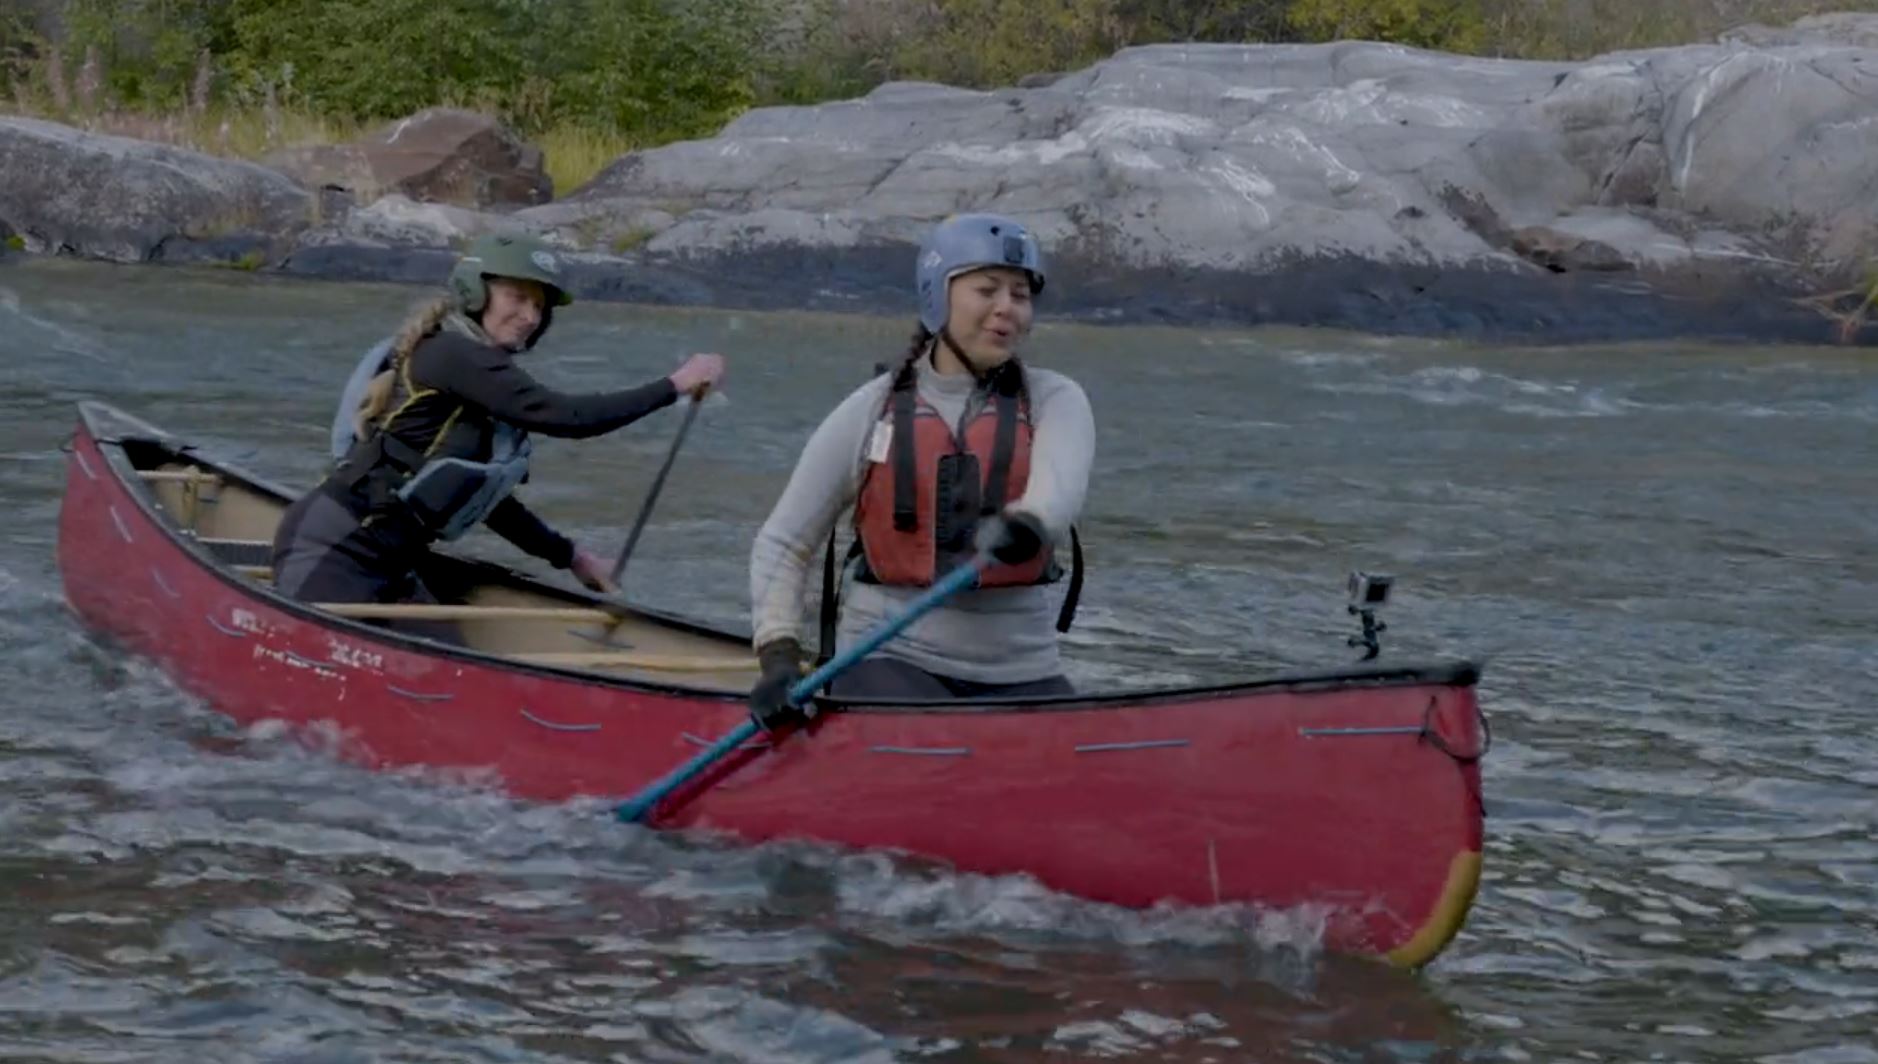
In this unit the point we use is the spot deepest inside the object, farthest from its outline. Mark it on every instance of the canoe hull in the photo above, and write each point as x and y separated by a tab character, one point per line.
1352	798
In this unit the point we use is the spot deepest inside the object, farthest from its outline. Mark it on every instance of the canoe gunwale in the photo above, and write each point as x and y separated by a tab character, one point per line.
111	431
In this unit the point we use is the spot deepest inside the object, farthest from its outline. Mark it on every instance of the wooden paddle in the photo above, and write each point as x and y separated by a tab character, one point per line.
636	808
658	483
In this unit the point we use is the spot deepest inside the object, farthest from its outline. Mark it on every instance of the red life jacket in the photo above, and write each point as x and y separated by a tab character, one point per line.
919	507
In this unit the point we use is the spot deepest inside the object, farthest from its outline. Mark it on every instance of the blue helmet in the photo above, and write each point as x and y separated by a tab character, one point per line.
966	242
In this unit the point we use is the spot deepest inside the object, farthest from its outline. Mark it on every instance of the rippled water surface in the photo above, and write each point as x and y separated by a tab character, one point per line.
1667	558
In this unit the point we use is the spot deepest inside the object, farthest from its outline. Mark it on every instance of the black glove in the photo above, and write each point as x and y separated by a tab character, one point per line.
781	660
1013	537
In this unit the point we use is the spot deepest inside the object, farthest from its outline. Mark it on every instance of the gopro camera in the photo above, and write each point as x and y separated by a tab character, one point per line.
1014	250
1369	591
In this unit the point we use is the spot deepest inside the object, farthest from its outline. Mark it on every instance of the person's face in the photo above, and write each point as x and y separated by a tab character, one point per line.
514	311
989	313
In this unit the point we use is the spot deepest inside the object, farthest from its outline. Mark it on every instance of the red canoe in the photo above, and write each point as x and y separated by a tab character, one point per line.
1350	796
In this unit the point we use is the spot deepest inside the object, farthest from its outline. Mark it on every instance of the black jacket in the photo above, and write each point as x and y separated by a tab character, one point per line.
460	389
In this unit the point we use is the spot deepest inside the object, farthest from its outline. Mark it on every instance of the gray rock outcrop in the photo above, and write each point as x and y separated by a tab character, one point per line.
1249	157
66	190
1708	189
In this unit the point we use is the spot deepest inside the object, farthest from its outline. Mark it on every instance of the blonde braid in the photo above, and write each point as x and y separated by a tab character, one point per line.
423	322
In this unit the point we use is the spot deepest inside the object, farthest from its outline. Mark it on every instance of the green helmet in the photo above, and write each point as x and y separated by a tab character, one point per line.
522	258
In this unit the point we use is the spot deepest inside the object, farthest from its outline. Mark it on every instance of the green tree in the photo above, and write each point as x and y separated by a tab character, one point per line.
985	43
19	43
1145	21
648	67
148	49
380	58
653	68
1453	25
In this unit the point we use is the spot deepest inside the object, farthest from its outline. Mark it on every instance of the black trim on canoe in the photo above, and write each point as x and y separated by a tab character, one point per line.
118	434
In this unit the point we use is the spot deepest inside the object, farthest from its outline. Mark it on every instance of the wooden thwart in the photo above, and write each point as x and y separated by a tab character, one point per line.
188	476
414	611
579	659
602	659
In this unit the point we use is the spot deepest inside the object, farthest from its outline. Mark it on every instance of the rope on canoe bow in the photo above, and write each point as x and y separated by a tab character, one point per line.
923	751
1434	739
1461	761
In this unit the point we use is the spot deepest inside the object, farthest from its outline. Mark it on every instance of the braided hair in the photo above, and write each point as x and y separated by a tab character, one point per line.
1007	377
423	322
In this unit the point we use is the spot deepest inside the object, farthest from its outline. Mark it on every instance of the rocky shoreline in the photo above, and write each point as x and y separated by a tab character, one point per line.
1348	293
1714	191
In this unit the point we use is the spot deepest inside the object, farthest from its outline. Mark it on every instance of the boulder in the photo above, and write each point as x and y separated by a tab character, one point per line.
1245	157
66	190
441	155
1561	252
1856	28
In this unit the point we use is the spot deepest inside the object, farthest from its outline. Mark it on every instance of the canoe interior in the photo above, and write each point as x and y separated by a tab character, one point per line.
500	613
511	617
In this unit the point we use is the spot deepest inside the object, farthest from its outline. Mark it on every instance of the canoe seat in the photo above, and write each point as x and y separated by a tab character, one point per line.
239	551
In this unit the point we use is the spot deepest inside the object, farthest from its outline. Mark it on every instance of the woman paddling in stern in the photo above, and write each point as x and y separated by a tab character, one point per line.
431	438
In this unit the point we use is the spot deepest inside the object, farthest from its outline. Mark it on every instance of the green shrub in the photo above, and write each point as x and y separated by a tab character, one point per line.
1452	25
597	77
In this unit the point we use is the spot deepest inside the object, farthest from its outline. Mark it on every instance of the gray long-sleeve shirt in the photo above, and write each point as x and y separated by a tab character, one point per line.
993	635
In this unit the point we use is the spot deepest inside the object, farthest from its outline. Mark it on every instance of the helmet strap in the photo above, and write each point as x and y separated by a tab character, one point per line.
547	319
945	337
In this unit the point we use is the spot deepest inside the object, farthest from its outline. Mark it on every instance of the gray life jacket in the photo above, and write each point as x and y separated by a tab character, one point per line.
448	496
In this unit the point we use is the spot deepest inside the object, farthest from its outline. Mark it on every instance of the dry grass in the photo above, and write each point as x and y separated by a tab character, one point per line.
1859	316
225	131
575	153
1849	309
1579	29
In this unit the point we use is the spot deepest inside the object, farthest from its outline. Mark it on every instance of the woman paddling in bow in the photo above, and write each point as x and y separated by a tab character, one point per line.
431	437
960	445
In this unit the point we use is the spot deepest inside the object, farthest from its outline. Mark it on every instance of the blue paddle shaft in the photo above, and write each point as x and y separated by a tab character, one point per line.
636	807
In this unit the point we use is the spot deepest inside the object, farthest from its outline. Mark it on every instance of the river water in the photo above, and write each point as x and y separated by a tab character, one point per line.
1667	558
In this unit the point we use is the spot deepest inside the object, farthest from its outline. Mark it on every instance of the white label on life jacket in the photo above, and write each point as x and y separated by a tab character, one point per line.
880	442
